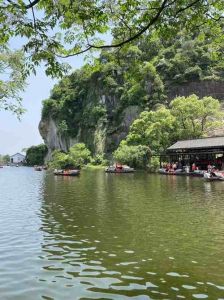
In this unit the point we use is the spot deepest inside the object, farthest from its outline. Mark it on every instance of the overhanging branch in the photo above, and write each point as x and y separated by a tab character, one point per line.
164	6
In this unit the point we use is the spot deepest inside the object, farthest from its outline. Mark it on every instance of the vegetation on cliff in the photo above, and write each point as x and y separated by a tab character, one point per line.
77	157
154	131
141	74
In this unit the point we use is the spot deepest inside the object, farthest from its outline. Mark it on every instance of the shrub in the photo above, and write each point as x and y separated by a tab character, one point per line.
135	156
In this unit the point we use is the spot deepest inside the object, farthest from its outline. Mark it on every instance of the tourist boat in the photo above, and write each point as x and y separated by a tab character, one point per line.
119	169
181	172
66	172
214	176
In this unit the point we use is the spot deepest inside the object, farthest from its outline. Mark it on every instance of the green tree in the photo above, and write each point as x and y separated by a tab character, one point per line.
35	155
187	117
62	28
196	117
4	159
154	129
12	80
79	155
135	156
60	160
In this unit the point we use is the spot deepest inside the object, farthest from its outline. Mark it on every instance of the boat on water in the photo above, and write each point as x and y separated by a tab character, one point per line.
67	172
119	169
214	176
182	172
38	168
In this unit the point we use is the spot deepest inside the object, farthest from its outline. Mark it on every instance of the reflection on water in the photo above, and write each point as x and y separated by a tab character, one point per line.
103	236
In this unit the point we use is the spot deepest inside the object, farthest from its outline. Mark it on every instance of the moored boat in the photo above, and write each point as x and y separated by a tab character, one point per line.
119	169
181	172
66	172
38	168
214	176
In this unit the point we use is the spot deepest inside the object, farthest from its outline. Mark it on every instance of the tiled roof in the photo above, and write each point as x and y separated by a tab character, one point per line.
199	143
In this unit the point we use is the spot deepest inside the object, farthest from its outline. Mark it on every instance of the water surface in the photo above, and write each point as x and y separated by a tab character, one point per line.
108	236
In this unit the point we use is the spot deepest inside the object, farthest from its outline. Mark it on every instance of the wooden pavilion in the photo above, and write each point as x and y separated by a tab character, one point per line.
202	152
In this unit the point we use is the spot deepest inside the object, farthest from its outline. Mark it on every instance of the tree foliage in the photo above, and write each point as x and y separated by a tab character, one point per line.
196	117
186	117
12	80
141	74
77	156
134	155
35	155
4	159
52	30
55	29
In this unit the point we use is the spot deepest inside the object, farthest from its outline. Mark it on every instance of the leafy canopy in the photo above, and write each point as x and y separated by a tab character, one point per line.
52	30
135	156
141	74
12	80
35	155
77	157
186	117
55	29
196	117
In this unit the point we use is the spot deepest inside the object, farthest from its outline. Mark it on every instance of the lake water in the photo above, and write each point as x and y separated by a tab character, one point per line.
108	236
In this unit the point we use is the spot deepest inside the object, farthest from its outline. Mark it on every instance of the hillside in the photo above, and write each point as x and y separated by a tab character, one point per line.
97	104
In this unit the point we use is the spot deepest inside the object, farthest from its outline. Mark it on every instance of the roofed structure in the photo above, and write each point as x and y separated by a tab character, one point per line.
17	158
202	143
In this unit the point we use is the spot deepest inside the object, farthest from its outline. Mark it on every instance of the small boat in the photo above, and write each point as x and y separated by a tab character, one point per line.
119	169
66	172
181	172
213	176
38	168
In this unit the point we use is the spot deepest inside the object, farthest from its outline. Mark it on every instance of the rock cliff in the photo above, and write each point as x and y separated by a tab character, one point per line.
98	103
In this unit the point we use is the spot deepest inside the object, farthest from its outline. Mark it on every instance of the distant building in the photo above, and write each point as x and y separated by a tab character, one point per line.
17	158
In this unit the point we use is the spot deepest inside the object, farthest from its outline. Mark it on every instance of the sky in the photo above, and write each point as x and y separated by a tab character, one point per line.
16	135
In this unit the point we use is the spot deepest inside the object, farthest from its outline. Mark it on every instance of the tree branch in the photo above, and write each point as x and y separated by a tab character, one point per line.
34	19
28	6
186	7
164	5
74	54
144	29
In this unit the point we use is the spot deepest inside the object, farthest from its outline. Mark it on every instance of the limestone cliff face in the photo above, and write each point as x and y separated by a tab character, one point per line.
103	138
105	135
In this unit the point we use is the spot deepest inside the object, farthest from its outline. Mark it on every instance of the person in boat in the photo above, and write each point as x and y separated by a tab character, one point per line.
209	167
118	167
193	167
174	166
